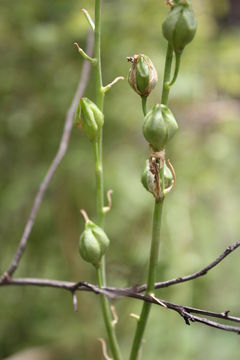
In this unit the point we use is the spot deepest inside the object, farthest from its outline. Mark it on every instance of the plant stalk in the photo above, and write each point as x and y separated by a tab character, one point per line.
101	272
99	103
167	74
107	320
157	217
144	105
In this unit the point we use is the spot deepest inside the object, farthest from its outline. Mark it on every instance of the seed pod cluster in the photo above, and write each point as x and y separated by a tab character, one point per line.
90	117
142	75
159	126
93	243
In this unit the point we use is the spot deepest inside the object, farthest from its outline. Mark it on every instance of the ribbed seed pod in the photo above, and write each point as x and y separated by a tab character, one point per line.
180	26
89	248
142	75
149	181
90	117
159	126
93	243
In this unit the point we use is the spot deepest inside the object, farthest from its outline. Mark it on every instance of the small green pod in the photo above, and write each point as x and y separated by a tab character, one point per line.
159	126
100	235
148	179
93	243
90	117
142	75
170	122
89	248
180	26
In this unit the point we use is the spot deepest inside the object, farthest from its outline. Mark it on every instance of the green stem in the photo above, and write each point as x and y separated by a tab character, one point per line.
107	320
157	216
167	74
100	103
101	273
97	55
177	67
99	180
144	105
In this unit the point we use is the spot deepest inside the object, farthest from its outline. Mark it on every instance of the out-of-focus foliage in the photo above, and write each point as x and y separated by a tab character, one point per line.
39	71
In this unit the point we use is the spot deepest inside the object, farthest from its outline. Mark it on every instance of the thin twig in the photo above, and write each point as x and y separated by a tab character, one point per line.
195	275
134	292
185	311
56	161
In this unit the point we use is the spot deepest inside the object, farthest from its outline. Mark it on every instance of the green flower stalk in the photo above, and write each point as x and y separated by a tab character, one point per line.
93	242
159	127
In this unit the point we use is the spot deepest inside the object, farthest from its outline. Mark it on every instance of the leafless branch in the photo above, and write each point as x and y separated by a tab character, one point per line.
135	292
186	312
204	271
56	161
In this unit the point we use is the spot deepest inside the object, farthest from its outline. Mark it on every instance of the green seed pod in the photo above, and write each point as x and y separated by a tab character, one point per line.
89	248
142	75
93	243
180	26
90	117
148	179
159	126
100	235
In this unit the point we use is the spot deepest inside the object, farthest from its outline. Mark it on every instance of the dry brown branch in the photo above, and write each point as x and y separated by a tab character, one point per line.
204	271
135	292
186	312
56	161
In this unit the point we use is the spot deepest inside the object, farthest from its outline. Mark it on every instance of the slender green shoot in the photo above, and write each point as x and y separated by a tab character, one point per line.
101	273
144	105
157	217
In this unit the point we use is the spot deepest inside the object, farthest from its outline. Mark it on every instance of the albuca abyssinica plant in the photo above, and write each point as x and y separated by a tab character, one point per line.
159	127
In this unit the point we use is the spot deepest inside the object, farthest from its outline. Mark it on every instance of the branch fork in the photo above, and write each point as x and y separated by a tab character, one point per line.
188	313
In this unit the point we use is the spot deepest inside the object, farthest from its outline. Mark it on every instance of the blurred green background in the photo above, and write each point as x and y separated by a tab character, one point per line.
39	71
